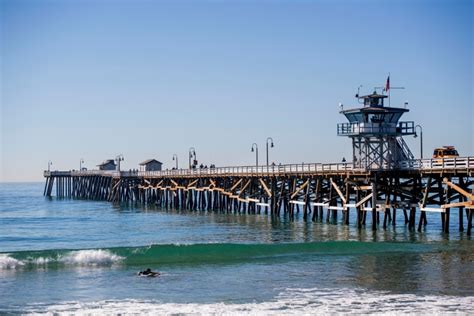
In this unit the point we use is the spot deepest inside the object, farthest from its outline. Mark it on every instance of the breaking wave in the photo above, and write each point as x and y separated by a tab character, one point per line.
89	257
197	253
7	262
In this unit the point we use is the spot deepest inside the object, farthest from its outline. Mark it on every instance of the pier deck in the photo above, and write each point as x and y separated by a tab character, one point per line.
413	186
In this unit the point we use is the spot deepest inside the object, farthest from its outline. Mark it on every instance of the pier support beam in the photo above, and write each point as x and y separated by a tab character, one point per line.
374	204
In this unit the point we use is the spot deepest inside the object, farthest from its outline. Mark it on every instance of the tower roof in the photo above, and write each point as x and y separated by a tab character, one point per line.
373	95
374	114
375	109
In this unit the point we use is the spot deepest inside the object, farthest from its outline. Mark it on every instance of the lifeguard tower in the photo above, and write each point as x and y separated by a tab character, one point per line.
376	133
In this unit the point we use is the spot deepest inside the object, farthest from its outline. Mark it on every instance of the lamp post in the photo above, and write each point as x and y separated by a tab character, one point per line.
118	159
81	161
175	157
192	152
271	139
255	148
421	139
50	163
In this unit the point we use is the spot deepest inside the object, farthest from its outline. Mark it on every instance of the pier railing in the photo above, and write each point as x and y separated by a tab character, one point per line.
428	165
82	173
439	163
257	170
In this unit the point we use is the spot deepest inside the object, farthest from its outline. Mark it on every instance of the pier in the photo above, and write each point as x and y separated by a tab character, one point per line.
382	179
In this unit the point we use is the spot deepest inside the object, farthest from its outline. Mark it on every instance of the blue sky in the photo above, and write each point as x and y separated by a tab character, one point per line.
148	79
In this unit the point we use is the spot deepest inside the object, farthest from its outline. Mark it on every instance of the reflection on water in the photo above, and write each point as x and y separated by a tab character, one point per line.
446	270
268	228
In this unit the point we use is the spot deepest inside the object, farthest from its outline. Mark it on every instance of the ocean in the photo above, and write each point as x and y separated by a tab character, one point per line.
64	256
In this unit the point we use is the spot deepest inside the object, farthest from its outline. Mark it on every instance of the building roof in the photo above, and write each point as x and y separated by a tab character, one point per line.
106	162
146	162
377	109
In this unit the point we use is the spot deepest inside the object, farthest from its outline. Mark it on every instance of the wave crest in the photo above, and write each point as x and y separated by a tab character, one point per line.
90	257
7	262
94	257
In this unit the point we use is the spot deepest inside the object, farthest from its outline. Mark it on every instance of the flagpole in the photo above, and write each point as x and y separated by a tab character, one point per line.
389	101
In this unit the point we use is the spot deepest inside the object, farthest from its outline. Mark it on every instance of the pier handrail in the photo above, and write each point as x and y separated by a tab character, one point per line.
56	173
95	172
250	170
435	164
438	163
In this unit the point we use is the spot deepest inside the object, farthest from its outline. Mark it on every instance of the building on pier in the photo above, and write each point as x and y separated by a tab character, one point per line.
377	134
108	164
151	165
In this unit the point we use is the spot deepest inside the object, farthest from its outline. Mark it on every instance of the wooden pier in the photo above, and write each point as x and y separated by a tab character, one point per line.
382	178
321	192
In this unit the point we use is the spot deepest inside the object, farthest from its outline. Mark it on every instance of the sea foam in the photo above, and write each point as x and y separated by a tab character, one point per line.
93	257
288	302
41	261
7	262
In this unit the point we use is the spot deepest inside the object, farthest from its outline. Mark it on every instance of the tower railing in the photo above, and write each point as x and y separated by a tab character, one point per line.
383	128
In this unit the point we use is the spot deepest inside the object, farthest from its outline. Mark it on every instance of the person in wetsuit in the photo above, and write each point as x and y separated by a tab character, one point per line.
148	273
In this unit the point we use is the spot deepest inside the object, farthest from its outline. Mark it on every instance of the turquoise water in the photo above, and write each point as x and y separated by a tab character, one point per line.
72	256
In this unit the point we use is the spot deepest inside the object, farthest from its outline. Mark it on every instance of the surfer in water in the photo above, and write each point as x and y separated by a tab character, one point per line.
148	273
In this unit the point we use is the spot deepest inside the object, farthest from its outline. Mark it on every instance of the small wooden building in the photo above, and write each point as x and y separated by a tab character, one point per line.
108	164
151	165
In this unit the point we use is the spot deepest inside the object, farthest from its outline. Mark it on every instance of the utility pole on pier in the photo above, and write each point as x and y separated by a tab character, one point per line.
118	159
421	139
192	153
175	157
254	145
271	139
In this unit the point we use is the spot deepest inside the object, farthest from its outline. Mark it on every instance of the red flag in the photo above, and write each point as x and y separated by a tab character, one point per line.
387	84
